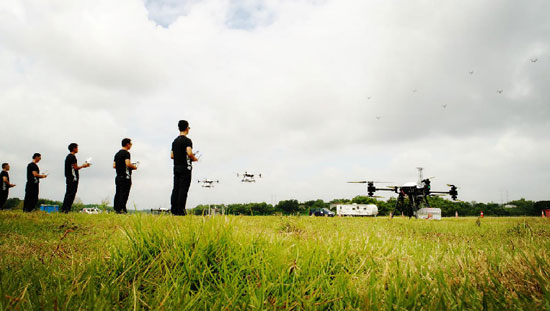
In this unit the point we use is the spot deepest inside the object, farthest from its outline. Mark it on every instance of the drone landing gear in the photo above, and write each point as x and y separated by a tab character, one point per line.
413	205
401	208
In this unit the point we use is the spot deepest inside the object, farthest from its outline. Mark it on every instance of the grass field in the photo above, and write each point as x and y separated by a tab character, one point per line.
105	262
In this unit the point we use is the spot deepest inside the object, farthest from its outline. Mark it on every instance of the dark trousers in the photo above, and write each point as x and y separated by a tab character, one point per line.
31	197
182	181
3	198
122	192
70	194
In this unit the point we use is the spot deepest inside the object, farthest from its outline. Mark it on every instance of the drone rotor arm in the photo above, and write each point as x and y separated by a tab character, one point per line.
386	189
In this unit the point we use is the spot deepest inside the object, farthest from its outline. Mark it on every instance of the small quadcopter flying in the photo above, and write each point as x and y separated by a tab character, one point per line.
208	183
248	177
417	193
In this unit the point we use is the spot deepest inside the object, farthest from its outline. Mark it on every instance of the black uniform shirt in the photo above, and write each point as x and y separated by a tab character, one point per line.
70	173
32	167
179	148
120	162
5	185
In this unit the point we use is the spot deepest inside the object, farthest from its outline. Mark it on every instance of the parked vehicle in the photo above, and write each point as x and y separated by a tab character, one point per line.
321	212
356	209
90	210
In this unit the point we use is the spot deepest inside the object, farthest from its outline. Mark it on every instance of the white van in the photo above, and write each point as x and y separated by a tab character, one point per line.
90	210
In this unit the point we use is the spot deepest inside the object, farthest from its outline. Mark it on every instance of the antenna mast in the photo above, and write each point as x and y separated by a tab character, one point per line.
420	178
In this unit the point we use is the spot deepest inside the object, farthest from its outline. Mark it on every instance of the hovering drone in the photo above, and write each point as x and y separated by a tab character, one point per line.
208	183
416	192
248	177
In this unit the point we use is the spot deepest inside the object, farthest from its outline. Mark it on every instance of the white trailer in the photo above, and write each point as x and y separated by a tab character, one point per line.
356	210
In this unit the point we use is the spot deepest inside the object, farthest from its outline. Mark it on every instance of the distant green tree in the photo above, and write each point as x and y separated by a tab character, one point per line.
240	209
361	199
13	204
199	210
384	208
203	209
78	205
539	206
288	206
340	201
262	208
523	207
104	205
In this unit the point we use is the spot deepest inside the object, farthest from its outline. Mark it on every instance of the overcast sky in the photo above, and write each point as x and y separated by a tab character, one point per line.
310	94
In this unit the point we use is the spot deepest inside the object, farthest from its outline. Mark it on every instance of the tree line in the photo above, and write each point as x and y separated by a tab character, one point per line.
17	204
448	208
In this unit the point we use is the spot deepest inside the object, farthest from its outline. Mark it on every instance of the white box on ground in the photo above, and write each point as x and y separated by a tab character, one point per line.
429	213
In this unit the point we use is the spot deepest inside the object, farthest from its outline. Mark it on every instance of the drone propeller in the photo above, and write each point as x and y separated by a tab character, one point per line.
453	191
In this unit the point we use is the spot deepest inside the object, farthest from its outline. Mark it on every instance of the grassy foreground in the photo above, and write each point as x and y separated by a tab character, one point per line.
105	262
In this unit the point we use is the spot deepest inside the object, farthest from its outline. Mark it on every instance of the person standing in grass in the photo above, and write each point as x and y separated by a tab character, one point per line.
5	184
33	180
183	156
123	179
71	177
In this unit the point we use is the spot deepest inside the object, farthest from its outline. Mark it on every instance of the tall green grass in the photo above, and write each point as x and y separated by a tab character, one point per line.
97	262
